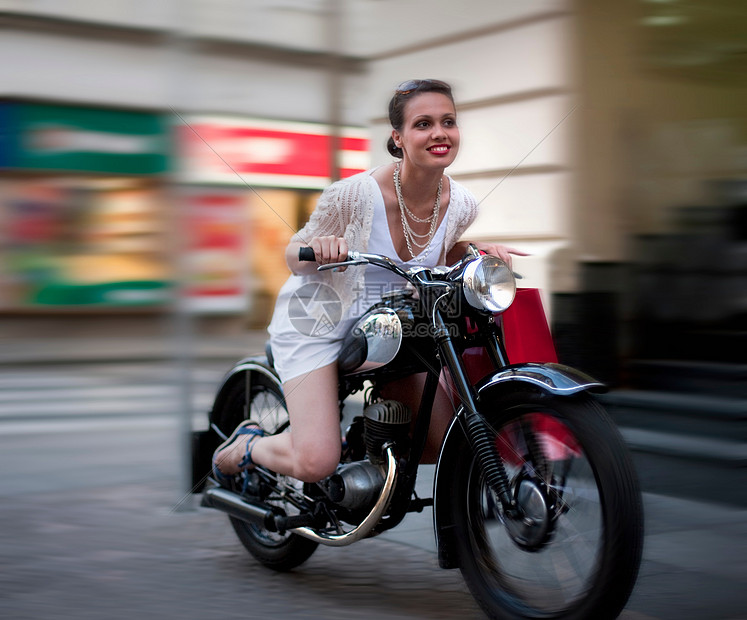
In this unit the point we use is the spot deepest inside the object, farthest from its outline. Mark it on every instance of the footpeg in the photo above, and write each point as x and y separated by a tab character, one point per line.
283	523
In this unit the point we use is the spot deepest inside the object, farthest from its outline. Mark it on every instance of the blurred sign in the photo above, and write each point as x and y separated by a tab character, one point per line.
6	141
267	153
49	137
78	242
216	251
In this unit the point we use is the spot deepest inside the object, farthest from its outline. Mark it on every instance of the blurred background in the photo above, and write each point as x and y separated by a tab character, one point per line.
156	155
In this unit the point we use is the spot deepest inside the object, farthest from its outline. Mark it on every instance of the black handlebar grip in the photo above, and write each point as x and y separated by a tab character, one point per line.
306	254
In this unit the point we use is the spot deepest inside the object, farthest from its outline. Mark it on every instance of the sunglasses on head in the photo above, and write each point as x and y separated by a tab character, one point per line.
410	85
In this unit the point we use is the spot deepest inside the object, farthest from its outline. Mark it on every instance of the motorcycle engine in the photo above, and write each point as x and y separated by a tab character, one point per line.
384	422
356	486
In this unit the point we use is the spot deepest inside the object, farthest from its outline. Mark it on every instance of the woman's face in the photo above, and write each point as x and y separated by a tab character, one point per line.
429	136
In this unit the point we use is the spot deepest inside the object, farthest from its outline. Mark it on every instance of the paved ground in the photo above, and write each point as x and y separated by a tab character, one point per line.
114	547
121	347
124	552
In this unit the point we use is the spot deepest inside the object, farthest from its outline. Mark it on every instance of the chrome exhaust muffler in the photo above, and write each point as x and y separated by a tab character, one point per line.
235	506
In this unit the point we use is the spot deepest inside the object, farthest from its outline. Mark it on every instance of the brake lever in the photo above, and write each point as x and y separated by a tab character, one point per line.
347	263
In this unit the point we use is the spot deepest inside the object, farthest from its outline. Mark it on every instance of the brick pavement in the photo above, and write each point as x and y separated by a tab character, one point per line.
123	552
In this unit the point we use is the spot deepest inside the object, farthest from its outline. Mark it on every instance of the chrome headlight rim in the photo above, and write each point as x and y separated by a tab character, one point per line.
489	284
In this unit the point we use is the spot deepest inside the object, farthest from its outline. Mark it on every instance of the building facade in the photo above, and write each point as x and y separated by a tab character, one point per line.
583	123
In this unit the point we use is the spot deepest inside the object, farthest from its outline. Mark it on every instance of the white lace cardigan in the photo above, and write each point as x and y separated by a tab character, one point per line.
345	209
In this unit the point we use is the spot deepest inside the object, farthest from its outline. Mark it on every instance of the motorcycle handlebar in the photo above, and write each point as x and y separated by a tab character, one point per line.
306	254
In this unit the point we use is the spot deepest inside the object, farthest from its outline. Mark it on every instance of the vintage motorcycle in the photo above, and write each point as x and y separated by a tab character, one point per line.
535	497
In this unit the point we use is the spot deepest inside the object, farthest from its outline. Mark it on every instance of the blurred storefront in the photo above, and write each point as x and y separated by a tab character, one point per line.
267	175
585	125
82	207
87	213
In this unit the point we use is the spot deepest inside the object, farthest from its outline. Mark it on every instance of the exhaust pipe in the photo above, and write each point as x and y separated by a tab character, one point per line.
370	522
233	505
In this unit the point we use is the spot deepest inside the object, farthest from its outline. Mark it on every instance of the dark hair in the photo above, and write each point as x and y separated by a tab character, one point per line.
406	91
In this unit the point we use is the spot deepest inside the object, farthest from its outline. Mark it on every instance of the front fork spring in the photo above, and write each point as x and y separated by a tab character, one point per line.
489	459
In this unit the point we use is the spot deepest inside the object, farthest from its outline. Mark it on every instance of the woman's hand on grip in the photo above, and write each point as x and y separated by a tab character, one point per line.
503	252
327	249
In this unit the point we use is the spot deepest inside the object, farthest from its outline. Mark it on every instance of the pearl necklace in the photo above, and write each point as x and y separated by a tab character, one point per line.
404	212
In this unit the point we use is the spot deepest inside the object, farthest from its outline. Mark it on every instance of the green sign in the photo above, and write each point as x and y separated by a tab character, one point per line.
49	137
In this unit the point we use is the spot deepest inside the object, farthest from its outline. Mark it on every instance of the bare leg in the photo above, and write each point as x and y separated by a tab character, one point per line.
311	450
409	391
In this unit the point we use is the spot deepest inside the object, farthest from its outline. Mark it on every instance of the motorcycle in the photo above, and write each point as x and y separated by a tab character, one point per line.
535	498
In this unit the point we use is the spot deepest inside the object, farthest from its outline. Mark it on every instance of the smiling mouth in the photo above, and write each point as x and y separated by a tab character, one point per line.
440	149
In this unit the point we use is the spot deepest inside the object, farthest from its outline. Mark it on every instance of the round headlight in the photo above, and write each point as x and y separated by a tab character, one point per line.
489	284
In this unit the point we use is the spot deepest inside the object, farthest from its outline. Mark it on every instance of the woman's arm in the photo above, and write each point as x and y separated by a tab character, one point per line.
323	232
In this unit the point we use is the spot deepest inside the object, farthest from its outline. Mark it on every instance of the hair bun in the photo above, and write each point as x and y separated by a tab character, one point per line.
393	149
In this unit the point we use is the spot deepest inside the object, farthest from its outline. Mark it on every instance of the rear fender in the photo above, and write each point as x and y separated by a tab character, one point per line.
242	371
204	443
555	379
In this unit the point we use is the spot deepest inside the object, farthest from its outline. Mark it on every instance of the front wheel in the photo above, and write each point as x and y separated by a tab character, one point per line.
574	550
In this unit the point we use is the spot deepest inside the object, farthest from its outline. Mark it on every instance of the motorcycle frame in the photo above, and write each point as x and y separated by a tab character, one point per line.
555	379
466	425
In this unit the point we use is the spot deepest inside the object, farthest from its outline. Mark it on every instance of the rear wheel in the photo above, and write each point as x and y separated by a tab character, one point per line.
260	398
575	550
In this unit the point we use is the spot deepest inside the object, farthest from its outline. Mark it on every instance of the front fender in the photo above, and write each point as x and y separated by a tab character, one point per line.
555	379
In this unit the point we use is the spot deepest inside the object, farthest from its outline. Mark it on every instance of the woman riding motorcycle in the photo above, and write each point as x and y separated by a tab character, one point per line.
407	209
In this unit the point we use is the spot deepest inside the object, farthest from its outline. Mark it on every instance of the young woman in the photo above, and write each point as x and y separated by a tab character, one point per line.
408	210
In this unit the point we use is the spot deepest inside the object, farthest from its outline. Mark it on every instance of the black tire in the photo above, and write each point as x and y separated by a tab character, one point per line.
266	405
582	560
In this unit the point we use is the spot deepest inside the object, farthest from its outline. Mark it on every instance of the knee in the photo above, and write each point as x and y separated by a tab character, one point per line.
313	466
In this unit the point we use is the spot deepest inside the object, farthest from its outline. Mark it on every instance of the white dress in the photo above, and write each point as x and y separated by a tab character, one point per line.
302	340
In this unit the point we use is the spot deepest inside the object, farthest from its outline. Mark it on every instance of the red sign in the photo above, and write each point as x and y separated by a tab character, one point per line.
215	253
267	153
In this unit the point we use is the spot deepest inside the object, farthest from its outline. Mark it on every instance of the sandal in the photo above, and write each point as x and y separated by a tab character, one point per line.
247	427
